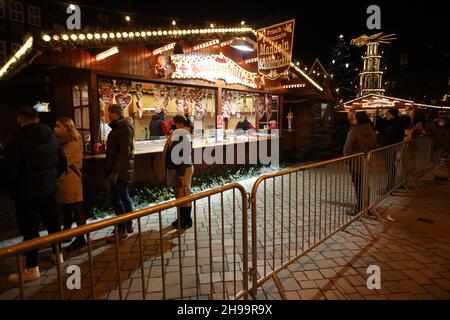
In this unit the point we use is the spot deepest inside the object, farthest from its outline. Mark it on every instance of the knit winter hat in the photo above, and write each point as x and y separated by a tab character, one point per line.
117	109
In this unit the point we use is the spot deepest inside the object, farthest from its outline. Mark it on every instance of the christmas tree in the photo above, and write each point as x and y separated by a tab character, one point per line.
342	69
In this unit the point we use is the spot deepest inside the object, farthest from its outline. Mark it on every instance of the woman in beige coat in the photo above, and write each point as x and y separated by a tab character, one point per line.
69	188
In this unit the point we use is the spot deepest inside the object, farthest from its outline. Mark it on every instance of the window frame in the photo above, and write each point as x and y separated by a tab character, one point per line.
3	51
16	11
3	9
34	15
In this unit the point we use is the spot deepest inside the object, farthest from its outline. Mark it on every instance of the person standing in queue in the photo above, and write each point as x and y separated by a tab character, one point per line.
179	168
35	160
120	164
393	133
360	138
69	186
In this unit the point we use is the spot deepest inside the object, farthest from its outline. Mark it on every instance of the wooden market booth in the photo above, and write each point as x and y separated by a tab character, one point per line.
211	74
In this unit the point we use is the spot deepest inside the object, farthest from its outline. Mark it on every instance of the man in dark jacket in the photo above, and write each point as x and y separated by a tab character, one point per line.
360	138
120	164
35	160
393	133
394	130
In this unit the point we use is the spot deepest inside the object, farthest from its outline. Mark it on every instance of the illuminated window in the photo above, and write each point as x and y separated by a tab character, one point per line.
16	11
34	16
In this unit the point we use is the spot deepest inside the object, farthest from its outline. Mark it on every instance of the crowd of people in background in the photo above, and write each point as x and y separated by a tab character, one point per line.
44	175
394	128
43	169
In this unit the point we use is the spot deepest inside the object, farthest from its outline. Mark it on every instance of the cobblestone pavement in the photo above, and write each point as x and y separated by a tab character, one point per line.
413	252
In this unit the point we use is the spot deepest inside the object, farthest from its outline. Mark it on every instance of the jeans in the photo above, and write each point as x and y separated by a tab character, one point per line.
121	201
29	214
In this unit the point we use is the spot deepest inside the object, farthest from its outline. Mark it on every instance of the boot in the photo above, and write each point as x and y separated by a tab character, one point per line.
186	220
77	244
29	274
129	225
175	223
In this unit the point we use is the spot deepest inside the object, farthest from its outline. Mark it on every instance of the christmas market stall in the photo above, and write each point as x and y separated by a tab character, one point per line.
219	76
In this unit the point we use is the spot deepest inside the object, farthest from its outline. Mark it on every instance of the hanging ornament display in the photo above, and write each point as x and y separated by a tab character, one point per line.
166	99
268	103
139	103
179	103
196	97
226	103
186	101
124	98
157	97
238	106
199	110
260	106
106	95
244	105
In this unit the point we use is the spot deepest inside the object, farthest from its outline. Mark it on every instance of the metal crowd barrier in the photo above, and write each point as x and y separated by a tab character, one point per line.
296	210
207	261
396	166
292	212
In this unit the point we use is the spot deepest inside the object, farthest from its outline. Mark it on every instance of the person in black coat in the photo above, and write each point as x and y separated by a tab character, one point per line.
394	128
120	165
393	133
179	168
35	160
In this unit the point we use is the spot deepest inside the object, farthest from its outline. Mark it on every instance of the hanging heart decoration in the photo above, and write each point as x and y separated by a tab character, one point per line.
199	110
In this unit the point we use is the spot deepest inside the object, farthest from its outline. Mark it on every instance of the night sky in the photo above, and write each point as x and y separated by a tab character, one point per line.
418	24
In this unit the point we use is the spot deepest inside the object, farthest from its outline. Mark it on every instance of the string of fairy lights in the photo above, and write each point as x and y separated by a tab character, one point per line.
58	37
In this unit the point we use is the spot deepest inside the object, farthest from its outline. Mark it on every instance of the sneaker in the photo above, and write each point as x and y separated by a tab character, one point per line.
29	274
77	244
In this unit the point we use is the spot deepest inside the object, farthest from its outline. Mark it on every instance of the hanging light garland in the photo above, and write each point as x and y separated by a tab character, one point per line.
143	34
23	50
164	49
291	86
206	44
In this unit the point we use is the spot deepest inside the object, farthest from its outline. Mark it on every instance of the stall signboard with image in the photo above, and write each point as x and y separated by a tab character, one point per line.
275	49
212	68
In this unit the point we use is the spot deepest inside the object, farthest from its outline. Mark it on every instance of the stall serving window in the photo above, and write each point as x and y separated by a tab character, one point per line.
144	100
260	110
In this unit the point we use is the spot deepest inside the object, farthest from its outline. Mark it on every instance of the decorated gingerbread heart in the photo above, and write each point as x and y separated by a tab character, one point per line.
124	100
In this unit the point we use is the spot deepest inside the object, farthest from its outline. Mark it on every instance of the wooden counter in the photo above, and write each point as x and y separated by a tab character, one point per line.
157	146
149	165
